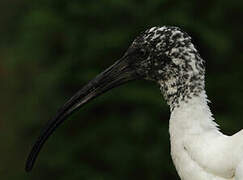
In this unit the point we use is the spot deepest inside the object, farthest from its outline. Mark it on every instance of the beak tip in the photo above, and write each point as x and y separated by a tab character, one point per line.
28	168
29	163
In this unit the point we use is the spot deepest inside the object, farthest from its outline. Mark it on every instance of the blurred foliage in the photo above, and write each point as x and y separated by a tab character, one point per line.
50	48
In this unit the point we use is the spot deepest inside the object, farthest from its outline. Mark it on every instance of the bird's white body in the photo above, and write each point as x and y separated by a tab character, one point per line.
198	149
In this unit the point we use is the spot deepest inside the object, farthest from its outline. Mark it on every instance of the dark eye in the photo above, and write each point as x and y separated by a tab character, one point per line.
143	53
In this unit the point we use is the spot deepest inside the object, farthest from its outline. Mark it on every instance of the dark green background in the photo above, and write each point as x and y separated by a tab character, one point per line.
51	48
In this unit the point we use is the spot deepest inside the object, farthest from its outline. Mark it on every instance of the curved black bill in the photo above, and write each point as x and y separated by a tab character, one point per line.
117	74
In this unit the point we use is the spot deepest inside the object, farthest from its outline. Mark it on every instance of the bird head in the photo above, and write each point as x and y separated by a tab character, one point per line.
165	55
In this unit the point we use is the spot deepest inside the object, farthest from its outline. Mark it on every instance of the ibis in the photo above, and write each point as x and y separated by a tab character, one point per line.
167	56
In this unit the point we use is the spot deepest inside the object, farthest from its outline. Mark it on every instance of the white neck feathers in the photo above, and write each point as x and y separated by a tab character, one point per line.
193	116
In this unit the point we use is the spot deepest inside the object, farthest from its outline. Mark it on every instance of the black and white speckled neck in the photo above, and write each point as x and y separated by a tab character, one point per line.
169	58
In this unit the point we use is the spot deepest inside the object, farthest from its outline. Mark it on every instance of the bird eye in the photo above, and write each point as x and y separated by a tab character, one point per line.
143	53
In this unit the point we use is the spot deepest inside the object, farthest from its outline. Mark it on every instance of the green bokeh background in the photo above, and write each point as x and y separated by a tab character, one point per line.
51	48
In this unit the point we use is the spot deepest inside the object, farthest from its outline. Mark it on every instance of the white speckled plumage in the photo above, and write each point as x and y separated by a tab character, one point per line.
198	149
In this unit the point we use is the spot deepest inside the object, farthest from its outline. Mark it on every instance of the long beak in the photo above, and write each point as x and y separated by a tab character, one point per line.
119	73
